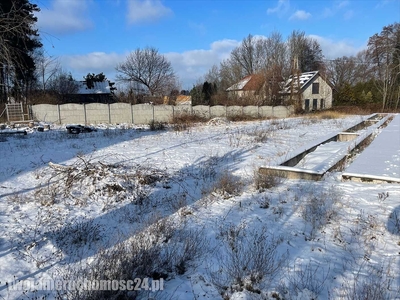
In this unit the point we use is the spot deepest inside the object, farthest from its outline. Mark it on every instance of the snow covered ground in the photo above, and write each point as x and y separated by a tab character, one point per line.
186	207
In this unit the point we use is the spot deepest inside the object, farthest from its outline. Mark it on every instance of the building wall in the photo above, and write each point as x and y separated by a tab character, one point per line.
325	93
96	113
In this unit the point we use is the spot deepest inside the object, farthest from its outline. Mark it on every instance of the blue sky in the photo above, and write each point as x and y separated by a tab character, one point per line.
95	35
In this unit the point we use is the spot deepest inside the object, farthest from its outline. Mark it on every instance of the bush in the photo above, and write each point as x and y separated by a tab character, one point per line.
155	126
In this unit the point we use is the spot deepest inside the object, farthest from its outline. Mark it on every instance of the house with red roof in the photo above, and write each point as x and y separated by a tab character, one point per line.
309	91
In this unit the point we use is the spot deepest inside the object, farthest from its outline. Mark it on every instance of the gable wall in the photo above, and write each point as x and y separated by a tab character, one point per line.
325	92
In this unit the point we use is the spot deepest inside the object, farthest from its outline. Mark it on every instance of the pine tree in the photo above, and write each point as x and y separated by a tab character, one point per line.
18	40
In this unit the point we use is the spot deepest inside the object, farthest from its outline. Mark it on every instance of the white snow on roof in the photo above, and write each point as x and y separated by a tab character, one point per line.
302	80
239	85
99	88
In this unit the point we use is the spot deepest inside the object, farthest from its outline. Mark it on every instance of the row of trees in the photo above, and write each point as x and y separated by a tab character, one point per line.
272	57
373	75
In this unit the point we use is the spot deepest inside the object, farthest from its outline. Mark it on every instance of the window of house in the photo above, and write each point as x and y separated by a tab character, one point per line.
315	88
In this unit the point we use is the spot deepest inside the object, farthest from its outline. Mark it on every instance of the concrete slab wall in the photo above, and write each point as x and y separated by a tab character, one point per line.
266	111
280	112
251	111
72	113
233	111
121	113
163	113
180	110
202	111
218	111
143	113
95	113
46	113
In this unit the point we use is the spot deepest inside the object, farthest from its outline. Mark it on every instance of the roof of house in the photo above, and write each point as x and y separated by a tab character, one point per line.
256	81
294	81
99	88
183	99
249	83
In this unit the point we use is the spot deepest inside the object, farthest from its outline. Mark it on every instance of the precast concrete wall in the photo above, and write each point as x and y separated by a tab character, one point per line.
46	113
163	113
266	111
280	112
218	111
95	113
143	114
251	111
233	111
72	113
202	111
121	113
181	110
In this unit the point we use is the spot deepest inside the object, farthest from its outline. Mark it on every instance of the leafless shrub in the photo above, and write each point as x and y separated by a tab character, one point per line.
394	222
305	279
319	208
185	121
157	252
261	135
32	235
228	185
156	126
379	284
18	198
265	202
249	258
78	233
264	182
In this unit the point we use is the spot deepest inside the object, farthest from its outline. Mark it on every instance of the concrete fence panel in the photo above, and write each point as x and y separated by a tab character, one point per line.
96	113
280	112
266	111
163	113
120	113
233	111
143	113
72	113
250	111
201	111
217	111
46	113
182	110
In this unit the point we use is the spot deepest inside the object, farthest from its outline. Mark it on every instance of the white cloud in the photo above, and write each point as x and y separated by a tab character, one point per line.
189	65
146	11
300	15
280	8
193	64
64	17
334	49
94	62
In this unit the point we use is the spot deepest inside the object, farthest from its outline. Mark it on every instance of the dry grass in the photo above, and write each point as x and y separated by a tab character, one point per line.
326	115
185	121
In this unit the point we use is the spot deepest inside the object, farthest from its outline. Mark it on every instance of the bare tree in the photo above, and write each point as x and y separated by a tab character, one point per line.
250	55
384	51
46	68
149	68
63	85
